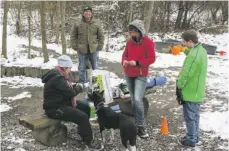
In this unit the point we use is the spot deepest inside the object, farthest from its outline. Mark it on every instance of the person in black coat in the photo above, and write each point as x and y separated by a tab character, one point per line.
60	98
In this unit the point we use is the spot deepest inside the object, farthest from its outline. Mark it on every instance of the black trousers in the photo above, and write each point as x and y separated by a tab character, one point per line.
79	115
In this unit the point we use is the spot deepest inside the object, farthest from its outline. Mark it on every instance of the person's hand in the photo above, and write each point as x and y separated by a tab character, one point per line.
78	88
132	63
125	63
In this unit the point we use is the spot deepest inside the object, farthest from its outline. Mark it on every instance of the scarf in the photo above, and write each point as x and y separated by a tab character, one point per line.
67	77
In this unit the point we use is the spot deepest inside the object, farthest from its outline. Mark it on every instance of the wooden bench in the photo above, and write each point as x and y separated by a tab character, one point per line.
47	131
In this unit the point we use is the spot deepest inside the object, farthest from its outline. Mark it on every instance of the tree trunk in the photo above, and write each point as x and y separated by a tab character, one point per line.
214	8
57	22
43	30
108	28
51	19
29	23
4	32
224	9
131	13
18	22
144	9
187	7
149	16
179	15
63	40
168	15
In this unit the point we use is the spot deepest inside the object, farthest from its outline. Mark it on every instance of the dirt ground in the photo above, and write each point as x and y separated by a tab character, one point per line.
162	103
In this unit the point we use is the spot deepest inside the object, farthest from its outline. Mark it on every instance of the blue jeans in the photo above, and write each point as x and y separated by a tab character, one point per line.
191	113
82	64
137	86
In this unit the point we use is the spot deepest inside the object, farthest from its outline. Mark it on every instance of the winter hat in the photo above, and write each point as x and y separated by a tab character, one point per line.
65	61
87	8
139	25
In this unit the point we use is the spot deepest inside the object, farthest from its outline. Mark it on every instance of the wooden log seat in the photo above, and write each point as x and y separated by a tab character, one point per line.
48	132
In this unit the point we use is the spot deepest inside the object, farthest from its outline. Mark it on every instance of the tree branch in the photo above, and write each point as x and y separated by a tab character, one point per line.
195	12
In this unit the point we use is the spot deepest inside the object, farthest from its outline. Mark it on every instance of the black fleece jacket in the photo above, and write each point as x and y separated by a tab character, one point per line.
57	93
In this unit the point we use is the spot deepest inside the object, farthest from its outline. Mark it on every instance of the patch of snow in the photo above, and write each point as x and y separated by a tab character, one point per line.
215	121
4	107
19	96
21	81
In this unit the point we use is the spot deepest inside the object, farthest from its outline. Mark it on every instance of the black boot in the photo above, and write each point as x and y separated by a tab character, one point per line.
142	133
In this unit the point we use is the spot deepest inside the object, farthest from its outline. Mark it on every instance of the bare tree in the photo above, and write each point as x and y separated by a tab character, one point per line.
52	8
29	15
4	33
57	22
43	31
224	10
148	15
108	27
202	4
179	15
214	8
168	5
18	22
187	6
131	13
63	40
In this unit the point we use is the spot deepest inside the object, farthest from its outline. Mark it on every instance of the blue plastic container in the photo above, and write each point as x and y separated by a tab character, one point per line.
157	81
115	108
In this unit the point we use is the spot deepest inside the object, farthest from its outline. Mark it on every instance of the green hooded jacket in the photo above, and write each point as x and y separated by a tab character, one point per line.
87	36
192	78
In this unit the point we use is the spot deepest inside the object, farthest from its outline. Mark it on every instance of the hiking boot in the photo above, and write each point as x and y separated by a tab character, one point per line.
186	142
197	141
123	87
142	133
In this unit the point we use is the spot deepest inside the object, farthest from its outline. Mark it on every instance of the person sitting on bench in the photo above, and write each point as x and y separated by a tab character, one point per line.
60	99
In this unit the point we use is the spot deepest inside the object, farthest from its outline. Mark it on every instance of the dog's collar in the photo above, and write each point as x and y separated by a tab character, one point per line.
100	105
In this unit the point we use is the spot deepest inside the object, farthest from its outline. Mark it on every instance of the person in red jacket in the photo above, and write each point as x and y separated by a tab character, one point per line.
138	55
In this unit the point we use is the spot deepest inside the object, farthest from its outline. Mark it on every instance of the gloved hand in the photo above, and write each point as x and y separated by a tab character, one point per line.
78	88
179	96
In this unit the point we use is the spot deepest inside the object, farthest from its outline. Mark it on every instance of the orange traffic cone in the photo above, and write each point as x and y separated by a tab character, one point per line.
164	126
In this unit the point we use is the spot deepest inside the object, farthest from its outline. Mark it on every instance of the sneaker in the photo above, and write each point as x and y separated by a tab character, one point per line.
123	87
142	132
185	142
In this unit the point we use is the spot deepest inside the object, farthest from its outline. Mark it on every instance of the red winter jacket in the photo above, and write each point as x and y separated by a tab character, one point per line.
143	52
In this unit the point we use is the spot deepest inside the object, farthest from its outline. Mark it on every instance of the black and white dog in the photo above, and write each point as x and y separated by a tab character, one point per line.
109	119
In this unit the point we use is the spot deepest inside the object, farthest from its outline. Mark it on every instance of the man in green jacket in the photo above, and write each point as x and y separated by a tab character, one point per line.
87	39
191	84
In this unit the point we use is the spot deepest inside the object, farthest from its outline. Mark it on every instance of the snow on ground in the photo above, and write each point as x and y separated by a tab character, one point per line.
19	96
21	81
4	107
217	79
215	121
